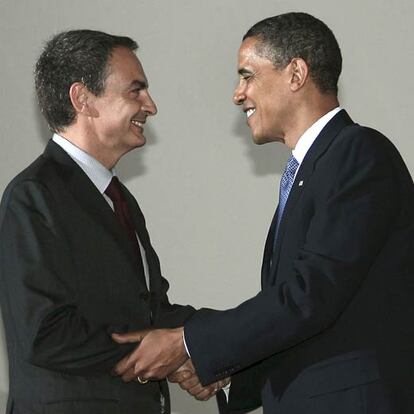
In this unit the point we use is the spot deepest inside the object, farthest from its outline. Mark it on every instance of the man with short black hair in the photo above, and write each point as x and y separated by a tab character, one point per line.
76	261
331	330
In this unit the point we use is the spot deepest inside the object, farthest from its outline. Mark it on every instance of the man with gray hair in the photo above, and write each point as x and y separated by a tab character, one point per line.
76	261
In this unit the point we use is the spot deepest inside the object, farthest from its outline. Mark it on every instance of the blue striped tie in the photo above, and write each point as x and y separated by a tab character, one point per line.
286	183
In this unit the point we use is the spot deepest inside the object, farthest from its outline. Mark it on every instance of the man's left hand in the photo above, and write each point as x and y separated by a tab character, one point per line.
188	380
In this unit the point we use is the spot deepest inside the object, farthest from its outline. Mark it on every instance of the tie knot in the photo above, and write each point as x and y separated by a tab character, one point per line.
113	191
292	165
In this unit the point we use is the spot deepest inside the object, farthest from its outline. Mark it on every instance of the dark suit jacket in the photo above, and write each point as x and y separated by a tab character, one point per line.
68	280
337	300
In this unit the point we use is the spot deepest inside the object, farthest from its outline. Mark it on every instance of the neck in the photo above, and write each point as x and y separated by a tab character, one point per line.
91	145
306	115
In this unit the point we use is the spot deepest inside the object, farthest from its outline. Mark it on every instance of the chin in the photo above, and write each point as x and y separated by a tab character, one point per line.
259	140
139	141
264	139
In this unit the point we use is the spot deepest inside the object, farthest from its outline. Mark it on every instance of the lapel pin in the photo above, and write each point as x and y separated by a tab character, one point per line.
300	183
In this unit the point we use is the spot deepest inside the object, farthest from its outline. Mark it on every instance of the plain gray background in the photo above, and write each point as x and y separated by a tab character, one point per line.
208	193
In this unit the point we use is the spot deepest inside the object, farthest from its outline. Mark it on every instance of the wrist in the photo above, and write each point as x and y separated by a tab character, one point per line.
179	341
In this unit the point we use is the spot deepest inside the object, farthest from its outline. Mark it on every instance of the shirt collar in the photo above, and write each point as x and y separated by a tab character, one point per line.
97	173
309	136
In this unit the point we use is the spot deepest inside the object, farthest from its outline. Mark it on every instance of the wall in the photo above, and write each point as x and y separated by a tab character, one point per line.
207	192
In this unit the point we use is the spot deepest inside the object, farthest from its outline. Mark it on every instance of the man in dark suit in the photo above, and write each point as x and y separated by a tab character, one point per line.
331	330
76	261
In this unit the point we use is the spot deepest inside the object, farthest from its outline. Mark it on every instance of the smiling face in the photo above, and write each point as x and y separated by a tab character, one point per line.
121	111
264	93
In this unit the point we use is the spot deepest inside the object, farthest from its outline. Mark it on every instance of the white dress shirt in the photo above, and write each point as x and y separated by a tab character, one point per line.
100	177
308	137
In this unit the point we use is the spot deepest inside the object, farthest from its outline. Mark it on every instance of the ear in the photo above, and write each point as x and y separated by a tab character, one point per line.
80	97
299	73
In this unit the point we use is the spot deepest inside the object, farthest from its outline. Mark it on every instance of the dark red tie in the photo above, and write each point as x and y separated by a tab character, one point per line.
122	213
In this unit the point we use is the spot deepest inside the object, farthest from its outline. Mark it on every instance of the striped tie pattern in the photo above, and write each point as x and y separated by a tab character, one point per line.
286	183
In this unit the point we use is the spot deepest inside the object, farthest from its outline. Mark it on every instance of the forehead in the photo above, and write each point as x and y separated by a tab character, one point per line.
248	54
124	65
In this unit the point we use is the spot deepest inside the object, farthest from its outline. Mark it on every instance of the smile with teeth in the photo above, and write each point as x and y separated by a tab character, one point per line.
137	123
250	112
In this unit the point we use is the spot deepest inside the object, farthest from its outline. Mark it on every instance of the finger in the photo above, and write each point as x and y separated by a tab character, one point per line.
129	376
196	389
129	337
190	383
187	366
205	394
155	372
180	376
121	367
126	363
140	370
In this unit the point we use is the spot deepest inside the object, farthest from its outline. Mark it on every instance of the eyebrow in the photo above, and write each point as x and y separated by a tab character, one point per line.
244	71
139	83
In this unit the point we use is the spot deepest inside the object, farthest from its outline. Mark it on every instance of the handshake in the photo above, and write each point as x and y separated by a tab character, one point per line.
159	354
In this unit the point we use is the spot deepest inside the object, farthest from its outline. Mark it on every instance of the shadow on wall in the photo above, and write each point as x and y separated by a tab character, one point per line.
266	160
342	95
42	127
3	369
3	401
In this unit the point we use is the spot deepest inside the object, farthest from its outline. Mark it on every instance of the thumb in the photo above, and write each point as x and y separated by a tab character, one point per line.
136	336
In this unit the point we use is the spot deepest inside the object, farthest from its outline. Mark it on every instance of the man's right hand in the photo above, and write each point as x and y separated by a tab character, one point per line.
188	380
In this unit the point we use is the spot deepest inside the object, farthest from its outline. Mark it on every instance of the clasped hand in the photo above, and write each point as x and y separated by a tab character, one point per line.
161	353
188	380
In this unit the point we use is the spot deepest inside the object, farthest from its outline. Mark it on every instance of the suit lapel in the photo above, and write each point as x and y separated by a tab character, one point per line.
151	257
268	250
306	169
90	199
139	222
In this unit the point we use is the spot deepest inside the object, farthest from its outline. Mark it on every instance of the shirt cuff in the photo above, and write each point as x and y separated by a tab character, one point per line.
226	391
185	345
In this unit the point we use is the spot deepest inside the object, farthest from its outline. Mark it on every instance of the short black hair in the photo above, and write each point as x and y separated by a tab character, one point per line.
69	57
300	35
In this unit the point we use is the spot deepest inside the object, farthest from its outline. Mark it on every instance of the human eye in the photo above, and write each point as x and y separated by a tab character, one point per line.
137	87
136	91
245	76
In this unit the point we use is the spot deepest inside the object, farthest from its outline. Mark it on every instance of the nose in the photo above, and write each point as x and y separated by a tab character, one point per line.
149	105
239	95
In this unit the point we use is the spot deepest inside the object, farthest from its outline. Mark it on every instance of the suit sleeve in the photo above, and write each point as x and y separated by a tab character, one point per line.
171	315
354	213
39	280
245	391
